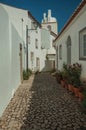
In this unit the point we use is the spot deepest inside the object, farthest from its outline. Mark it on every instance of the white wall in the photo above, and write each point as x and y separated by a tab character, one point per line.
34	34
16	15
51	50
54	26
73	31
11	35
5	61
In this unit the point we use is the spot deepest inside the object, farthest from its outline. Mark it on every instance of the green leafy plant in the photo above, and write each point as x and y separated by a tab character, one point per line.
72	73
76	74
26	74
84	103
59	76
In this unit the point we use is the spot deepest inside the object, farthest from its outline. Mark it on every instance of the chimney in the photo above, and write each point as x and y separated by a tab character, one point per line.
45	18
49	15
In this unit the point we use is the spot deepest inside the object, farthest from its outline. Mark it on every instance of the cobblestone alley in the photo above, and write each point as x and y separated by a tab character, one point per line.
45	106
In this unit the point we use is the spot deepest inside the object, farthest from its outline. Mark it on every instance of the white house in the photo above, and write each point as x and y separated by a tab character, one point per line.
49	32
22	39
14	32
71	41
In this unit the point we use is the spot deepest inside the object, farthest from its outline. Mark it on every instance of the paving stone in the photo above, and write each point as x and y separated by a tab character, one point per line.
42	104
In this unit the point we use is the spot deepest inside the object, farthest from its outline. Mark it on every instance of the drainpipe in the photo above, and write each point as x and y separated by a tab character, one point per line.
27	48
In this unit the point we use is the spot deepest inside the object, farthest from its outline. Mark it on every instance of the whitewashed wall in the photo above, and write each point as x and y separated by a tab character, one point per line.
5	60
51	49
54	26
34	34
16	15
73	31
12	33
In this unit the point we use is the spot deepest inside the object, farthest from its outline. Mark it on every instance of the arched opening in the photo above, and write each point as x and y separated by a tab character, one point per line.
69	50
49	27
57	57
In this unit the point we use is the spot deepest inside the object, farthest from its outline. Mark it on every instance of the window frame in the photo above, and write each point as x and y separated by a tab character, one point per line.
81	44
32	56
36	43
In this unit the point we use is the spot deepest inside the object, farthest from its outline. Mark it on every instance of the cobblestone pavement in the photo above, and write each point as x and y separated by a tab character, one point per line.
42	104
13	116
53	107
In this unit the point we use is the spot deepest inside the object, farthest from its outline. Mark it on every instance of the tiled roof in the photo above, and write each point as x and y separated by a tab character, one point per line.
72	17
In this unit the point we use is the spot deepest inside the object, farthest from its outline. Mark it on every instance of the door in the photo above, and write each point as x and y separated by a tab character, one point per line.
38	63
57	57
68	50
21	70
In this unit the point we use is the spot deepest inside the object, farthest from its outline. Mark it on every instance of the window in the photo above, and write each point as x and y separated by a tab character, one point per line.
69	50
57	56
82	44
60	52
36	43
49	27
37	61
32	56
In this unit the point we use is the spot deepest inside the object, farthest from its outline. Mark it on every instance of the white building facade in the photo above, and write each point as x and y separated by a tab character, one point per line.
49	32
22	46
71	41
13	50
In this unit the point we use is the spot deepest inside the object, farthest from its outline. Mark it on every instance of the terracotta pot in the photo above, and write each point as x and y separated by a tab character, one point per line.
76	91
81	96
71	88
66	85
62	83
58	80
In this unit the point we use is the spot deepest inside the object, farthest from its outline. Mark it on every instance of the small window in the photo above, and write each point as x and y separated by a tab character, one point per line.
49	27
36	43
32	56
82	44
60	52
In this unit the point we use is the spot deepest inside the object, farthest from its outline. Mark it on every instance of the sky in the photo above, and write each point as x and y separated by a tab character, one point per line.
61	9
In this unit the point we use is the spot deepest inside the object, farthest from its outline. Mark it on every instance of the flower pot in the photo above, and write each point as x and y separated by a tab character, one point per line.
76	91
81	96
58	80
71	88
62	83
66	85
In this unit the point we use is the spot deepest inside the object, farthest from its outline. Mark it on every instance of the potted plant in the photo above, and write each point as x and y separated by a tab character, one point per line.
80	94
76	74
69	78
59	76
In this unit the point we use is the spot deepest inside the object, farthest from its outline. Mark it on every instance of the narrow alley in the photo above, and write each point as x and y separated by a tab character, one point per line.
48	106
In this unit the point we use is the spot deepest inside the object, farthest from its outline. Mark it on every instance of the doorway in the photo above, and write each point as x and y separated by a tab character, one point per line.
21	70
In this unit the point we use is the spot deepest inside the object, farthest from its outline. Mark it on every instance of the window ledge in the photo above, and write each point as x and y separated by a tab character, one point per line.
82	58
